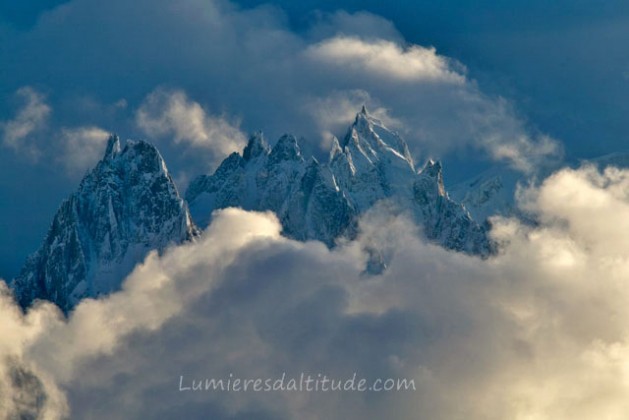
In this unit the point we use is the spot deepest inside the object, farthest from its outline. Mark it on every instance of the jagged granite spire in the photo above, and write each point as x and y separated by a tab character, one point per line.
324	201
375	141
256	146
304	194
433	169
113	147
286	148
125	207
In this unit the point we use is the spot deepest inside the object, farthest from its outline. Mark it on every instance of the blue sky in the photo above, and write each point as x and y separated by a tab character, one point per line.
561	69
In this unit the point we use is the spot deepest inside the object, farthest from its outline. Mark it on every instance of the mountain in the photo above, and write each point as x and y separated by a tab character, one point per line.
125	207
489	193
323	201
493	191
303	194
128	205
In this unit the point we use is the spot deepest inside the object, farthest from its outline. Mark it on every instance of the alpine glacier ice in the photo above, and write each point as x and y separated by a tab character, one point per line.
125	207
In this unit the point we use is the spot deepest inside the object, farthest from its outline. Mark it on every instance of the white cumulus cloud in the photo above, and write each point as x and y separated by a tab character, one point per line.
384	59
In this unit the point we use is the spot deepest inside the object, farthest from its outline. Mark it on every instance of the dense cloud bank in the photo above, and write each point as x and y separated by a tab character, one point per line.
538	332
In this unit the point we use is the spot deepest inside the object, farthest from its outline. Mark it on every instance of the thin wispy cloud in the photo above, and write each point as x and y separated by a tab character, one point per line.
82	148
30	118
170	113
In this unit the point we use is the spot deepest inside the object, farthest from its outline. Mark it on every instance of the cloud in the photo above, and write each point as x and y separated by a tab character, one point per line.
52	349
384	59
577	198
360	24
428	98
30	119
538	331
494	126
33	133
268	74
525	153
171	113
82	148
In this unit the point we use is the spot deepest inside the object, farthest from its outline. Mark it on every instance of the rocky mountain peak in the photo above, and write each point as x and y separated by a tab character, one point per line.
434	170
324	201
113	146
256	146
286	149
125	207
